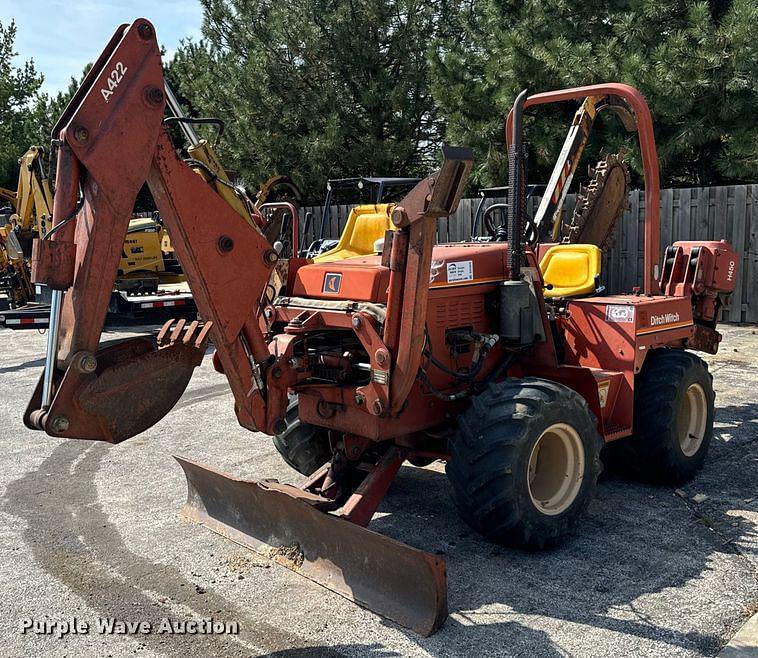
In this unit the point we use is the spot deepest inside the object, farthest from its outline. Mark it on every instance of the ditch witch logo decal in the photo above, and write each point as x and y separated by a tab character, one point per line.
666	318
332	283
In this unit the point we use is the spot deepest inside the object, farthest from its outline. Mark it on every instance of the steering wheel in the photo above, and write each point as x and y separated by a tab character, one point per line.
489	221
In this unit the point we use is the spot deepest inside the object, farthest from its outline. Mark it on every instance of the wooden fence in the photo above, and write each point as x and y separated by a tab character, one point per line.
704	213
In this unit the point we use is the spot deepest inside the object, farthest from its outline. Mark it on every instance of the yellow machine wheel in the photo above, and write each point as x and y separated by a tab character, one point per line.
556	469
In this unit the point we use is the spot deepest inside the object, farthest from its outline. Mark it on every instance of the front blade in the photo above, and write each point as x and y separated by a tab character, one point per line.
402	583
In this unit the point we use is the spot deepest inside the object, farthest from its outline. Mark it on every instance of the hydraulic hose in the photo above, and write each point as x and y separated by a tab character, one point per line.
517	183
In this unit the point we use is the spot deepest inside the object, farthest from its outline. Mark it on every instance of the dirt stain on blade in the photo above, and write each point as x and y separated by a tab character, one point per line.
401	583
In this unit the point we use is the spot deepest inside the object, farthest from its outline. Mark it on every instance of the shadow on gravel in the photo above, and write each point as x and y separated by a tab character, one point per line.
636	539
370	650
735	425
72	539
201	394
22	366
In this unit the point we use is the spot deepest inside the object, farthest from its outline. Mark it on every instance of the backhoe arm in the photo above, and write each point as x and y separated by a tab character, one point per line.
112	141
34	200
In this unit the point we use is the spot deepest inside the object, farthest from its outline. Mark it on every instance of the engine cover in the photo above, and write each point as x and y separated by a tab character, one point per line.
365	279
362	279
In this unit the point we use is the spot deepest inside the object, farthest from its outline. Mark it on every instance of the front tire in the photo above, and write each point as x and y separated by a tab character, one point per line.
525	461
303	446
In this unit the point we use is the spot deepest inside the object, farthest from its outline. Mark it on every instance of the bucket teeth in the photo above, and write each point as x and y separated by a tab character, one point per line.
202	337
178	331
190	332
164	330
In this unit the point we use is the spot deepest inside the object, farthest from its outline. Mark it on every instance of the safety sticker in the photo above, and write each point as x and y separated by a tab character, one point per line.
332	282
462	270
435	269
619	313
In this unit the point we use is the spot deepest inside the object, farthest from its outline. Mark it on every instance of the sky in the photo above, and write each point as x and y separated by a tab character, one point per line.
62	36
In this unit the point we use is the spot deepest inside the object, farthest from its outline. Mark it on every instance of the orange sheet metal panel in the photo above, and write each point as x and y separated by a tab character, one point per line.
361	279
467	264
616	333
364	279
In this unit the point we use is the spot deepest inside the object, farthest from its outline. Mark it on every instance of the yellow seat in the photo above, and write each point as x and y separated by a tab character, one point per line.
571	269
365	225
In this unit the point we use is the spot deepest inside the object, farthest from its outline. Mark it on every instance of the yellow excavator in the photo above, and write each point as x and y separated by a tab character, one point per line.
15	281
146	260
32	202
30	209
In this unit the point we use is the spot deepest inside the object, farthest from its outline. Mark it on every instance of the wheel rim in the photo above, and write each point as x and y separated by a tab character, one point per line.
692	419
556	469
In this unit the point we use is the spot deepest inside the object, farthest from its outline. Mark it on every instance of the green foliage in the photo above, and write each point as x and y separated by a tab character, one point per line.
330	88
54	106
27	115
19	119
315	88
695	63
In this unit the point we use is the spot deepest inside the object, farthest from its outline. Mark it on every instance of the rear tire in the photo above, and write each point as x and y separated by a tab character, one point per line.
303	446
525	461
673	416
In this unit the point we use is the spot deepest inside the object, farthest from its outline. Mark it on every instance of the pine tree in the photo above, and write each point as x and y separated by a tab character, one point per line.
27	115
695	63
315	88
19	118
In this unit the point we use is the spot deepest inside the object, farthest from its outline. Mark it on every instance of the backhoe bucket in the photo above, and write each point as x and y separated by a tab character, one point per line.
281	522
129	386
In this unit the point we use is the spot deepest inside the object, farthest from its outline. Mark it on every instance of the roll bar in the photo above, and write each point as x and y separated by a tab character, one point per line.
650	172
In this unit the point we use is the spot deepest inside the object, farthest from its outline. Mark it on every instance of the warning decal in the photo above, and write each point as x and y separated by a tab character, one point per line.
462	270
332	282
619	313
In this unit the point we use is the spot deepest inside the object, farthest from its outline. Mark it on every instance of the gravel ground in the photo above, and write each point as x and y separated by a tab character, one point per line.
89	531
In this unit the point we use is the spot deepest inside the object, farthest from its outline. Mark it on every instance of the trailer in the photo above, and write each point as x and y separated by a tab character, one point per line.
171	301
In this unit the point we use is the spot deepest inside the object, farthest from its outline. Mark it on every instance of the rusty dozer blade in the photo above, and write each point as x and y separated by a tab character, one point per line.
404	584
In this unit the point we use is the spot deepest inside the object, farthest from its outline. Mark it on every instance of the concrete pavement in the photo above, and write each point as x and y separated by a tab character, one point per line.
92	531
